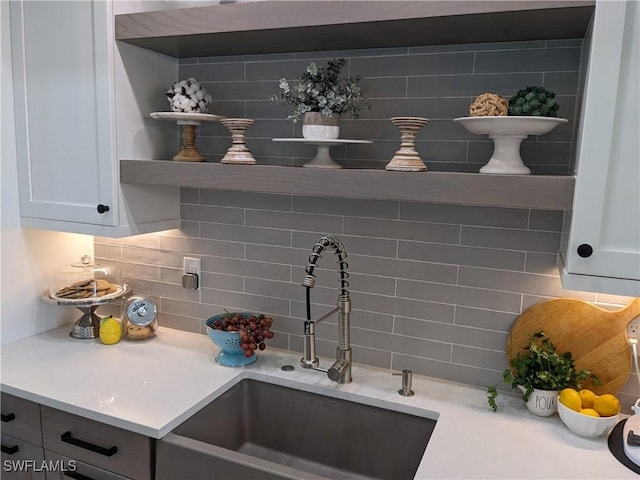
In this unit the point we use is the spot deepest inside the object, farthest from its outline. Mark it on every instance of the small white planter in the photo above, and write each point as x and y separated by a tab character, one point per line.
320	127
542	402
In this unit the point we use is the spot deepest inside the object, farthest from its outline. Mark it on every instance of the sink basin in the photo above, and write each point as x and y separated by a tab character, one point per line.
258	430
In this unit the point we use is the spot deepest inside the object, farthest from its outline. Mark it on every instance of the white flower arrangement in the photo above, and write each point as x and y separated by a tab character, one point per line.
188	96
322	89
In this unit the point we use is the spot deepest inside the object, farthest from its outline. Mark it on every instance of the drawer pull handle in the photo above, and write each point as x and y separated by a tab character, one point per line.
10	450
8	418
107	452
76	476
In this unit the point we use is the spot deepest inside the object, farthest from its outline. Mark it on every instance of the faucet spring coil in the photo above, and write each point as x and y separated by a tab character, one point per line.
323	243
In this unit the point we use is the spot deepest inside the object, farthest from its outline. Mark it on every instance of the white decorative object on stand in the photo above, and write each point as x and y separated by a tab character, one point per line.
323	158
507	134
188	122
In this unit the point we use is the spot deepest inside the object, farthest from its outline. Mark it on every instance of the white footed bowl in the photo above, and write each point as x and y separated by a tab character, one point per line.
585	425
507	134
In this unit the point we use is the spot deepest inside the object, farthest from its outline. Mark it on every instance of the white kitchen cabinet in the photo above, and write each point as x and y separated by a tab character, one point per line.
82	102
601	245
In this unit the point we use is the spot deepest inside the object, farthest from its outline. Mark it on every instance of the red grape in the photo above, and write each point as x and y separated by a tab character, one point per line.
253	330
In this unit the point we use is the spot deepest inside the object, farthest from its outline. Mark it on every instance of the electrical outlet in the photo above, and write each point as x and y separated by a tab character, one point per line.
190	267
633	329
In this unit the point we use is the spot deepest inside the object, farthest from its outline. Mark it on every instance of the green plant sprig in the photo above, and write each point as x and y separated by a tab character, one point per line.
534	101
322	89
541	368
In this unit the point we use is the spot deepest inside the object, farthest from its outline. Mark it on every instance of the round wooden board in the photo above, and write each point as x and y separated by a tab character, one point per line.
596	338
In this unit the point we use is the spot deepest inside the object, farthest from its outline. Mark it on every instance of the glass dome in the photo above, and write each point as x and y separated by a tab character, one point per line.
86	280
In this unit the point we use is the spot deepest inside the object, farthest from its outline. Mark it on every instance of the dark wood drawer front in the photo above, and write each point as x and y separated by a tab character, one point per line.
77	470
21	460
111	448
21	419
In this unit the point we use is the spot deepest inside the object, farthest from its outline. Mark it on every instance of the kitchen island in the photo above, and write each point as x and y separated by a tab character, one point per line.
151	387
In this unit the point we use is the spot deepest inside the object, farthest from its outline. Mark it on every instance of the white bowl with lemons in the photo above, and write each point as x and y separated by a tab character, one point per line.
586	414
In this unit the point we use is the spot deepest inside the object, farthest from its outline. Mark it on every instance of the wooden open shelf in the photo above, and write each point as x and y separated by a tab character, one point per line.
279	26
548	192
288	26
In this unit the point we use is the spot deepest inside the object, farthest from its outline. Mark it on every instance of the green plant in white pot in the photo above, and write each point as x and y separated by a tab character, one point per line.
540	375
320	96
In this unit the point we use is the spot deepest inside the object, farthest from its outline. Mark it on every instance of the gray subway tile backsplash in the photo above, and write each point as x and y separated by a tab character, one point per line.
478	357
346	206
242	233
461	255
469	85
435	288
543	263
460	295
415	64
510	239
559	59
483	319
436	82
212	214
425	232
294	221
246	268
545	220
223	72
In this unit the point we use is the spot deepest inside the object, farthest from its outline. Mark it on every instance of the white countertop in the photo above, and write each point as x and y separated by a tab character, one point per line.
150	387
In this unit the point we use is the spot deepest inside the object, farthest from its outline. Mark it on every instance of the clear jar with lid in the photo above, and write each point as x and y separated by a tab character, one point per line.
139	318
86	280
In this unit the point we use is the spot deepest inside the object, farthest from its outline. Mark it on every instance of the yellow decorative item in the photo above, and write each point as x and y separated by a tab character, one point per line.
110	331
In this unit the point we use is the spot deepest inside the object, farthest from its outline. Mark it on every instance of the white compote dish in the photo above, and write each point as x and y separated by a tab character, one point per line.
507	134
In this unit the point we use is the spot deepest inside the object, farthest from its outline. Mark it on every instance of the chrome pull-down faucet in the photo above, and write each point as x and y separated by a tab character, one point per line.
340	371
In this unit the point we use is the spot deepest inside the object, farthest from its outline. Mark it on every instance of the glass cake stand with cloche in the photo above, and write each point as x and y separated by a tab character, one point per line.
86	285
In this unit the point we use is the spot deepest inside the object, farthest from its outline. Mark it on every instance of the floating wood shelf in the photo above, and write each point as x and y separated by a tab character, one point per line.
277	26
547	192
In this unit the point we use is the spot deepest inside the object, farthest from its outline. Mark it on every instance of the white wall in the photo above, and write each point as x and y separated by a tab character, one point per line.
28	257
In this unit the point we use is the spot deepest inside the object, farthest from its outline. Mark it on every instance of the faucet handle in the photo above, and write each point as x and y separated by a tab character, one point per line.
407	376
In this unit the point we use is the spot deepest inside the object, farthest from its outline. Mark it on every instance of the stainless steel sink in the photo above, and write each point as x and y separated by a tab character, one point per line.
258	430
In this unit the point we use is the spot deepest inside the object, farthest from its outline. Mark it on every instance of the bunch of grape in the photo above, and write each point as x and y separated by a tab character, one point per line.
253	330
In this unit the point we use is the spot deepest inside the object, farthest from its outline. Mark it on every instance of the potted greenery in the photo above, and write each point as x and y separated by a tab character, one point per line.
540	375
320	96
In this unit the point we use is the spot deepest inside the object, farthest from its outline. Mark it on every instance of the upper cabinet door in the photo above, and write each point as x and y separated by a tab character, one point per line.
602	250
63	106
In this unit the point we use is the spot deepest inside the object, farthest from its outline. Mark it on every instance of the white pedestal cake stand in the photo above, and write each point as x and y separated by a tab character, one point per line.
323	157
507	134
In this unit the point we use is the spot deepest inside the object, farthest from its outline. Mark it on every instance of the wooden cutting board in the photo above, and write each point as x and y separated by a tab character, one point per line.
596	338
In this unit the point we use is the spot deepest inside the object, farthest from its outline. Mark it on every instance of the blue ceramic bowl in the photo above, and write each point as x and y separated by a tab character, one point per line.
231	353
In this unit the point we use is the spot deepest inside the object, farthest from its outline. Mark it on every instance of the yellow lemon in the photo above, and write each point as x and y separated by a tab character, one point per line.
570	398
606	405
587	397
589	411
110	331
